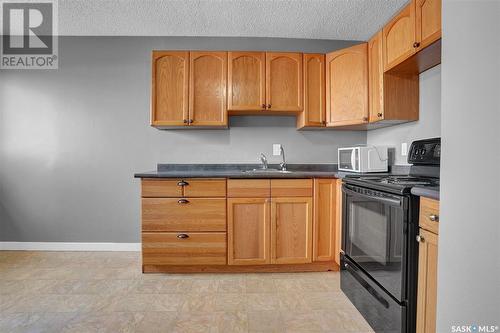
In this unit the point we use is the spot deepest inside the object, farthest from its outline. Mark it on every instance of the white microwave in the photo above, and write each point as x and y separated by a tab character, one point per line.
363	159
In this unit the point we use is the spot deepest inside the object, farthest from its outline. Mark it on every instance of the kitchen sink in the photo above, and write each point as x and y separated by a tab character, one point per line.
264	171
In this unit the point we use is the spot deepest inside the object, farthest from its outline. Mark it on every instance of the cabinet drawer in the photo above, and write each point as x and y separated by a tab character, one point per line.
248	188
207	188
154	188
291	188
179	214
429	215
193	248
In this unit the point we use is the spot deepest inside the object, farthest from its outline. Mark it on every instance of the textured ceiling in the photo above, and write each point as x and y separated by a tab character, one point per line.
316	19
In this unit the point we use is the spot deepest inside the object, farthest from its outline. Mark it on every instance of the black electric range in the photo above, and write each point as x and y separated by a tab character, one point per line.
379	259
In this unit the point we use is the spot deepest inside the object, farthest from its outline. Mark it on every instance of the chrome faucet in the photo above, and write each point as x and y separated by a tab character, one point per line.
283	162
263	160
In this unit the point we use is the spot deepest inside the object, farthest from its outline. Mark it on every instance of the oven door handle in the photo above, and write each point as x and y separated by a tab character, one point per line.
388	201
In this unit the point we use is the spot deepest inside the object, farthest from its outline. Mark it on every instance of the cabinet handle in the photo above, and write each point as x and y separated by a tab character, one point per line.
182	183
323	122
182	236
268	106
365	118
416	44
434	218
183	201
185	121
263	106
379	114
420	239
190	121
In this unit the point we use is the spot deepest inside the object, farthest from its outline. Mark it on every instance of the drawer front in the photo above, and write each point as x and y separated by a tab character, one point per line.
157	188
248	188
180	214
429	215
205	188
194	248
291	188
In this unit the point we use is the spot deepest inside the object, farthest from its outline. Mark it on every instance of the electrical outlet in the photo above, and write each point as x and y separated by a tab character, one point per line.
276	149
404	149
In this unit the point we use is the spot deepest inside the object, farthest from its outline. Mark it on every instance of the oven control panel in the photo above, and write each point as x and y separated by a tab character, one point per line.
425	152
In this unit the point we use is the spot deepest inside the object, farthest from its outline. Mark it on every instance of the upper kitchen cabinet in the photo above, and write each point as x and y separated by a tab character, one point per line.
170	73
399	37
314	92
393	98
207	83
246	81
412	39
428	16
347	86
284	90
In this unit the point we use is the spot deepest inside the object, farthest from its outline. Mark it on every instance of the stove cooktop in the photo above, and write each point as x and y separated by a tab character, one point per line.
392	183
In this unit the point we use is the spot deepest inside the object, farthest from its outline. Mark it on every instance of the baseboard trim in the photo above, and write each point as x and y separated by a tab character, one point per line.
63	246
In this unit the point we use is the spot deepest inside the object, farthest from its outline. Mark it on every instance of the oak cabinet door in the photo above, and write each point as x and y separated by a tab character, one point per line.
291	230
249	231
284	81
347	86
314	92
428	18
325	208
246	80
207	88
427	282
376	78
399	37
170	73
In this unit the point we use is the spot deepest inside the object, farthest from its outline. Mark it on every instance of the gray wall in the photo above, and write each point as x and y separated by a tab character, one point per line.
428	125
469	231
71	139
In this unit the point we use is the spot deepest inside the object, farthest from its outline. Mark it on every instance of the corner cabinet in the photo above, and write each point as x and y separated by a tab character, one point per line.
314	92
170	74
284	81
207	82
347	86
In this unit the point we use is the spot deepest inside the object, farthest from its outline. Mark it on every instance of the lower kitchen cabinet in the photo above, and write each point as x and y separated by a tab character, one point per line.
325	207
249	231
427	265
291	229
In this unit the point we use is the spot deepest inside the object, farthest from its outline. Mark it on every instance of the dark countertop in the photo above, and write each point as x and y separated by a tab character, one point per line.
237	171
431	192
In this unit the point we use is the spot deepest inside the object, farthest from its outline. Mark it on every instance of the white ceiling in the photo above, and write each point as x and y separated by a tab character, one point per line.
316	19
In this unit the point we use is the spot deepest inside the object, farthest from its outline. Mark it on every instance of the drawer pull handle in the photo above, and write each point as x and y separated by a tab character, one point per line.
183	201
434	218
182	236
182	183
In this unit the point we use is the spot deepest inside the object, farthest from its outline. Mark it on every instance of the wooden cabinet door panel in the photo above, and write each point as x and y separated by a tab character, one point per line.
428	18
248	227
291	230
284	81
376	78
314	91
347	86
194	248
338	221
180	214
246	80
325	204
399	37
169	105
427	282
207	93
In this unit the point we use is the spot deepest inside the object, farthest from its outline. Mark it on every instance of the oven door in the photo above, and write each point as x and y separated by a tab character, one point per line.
375	224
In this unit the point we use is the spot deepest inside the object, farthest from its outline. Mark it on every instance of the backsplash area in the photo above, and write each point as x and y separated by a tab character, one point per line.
428	126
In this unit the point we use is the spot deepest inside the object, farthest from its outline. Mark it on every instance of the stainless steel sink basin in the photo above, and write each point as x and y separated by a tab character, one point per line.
268	170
